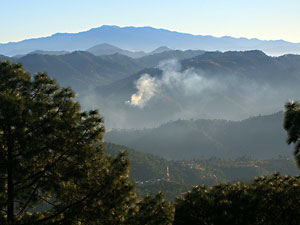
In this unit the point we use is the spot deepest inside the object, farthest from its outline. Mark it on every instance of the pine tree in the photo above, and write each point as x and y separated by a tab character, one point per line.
53	169
152	210
292	126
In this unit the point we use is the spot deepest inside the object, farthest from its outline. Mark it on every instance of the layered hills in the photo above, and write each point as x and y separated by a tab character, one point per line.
107	49
82	69
170	85
260	137
211	99
213	85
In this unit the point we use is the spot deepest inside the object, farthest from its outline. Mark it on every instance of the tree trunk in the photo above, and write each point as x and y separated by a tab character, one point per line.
10	186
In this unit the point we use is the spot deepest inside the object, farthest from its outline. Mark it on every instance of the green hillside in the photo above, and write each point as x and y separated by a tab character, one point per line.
259	137
149	172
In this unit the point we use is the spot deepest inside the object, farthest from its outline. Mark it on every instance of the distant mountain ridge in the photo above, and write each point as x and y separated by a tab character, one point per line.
213	85
83	70
231	85
261	137
250	65
101	50
41	52
144	39
107	49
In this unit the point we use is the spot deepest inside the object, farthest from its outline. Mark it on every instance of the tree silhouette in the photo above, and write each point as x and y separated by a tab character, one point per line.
53	169
292	126
152	210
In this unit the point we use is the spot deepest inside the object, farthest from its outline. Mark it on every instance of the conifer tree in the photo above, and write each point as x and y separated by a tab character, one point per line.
292	126
152	210
53	169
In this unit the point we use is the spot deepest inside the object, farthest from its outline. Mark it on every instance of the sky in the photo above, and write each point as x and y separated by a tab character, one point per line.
263	19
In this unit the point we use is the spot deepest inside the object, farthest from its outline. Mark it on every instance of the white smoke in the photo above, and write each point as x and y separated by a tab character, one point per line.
185	83
185	94
146	86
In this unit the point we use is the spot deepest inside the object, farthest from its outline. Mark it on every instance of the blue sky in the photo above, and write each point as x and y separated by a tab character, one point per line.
263	19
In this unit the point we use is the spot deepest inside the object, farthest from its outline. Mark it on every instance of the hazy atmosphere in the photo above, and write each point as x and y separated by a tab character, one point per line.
149	112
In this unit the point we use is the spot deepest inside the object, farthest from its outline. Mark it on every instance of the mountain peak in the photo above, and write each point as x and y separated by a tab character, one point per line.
108	49
160	50
103	46
145	39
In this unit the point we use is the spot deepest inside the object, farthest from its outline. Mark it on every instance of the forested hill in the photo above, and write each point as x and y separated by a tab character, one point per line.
148	167
150	171
229	85
239	68
253	65
82	69
179	84
258	137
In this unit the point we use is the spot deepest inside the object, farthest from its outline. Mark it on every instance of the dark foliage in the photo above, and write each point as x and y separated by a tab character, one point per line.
53	169
188	139
267	201
292	126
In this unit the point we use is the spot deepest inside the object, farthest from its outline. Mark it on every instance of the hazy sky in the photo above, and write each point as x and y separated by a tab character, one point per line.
263	19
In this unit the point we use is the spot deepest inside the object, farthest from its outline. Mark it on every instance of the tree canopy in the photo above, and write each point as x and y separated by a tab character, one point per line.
268	201
292	126
53	168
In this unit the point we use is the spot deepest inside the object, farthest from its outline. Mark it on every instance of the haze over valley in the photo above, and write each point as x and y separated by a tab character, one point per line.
153	88
149	112
150	89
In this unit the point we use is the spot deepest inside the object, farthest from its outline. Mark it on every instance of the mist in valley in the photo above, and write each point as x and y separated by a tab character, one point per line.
191	93
150	112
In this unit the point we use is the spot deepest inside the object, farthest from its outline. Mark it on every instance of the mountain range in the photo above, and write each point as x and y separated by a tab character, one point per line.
144	39
138	91
173	84
214	85
99	50
190	105
107	49
83	69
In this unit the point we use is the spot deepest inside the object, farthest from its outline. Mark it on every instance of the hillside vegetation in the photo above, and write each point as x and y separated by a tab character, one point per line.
152	173
260	137
174	84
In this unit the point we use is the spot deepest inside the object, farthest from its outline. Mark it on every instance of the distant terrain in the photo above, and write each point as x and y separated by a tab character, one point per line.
260	137
172	84
107	49
183	113
177	104
150	172
83	69
214	85
145	39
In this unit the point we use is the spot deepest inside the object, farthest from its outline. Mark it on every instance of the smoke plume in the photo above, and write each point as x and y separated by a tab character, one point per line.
178	93
146	86
173	81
